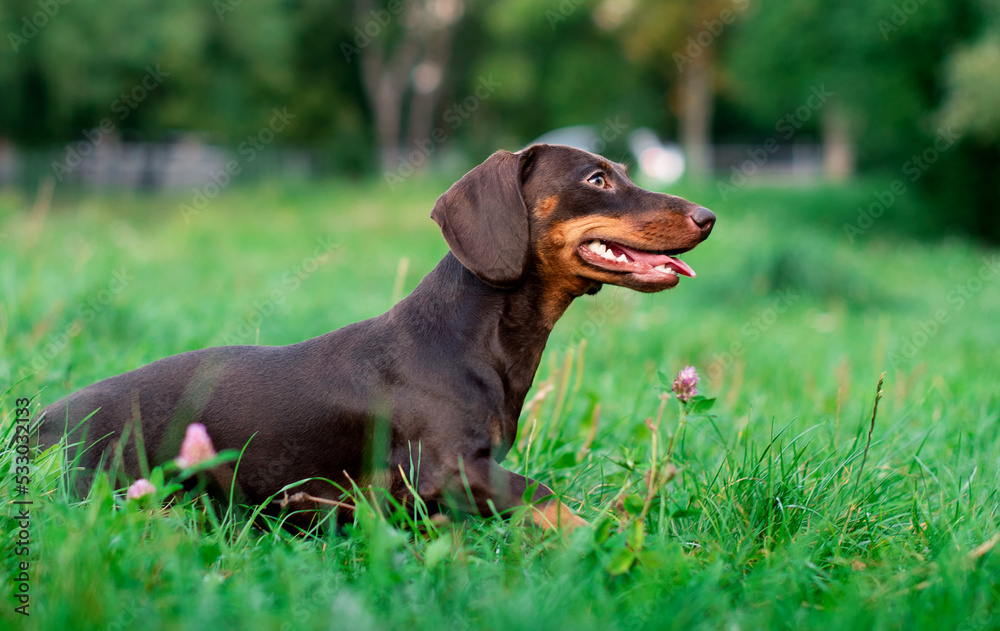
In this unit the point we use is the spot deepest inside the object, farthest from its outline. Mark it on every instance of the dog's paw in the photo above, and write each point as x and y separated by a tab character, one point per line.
555	515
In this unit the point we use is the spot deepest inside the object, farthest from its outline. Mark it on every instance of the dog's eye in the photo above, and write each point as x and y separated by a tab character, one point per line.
598	180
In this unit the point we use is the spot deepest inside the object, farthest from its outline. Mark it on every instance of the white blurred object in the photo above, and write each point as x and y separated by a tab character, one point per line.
658	161
579	136
663	162
426	77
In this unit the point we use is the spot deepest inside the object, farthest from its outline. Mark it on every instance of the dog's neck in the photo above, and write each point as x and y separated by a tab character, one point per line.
512	324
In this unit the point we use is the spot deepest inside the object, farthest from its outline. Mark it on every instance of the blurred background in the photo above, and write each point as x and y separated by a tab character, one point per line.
191	95
179	174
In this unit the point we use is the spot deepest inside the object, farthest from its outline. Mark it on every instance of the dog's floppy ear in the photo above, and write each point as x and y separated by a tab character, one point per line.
485	222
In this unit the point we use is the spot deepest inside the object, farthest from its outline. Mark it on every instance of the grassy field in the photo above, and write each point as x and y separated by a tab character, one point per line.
781	515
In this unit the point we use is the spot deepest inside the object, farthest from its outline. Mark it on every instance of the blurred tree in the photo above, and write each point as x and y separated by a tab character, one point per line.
879	63
681	38
333	116
884	62
87	62
404	48
221	68
878	79
971	186
972	77
556	63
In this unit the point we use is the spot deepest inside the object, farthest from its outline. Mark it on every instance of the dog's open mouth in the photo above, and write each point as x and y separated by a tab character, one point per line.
656	267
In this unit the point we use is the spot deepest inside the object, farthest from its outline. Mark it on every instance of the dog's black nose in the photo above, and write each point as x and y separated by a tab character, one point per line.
703	217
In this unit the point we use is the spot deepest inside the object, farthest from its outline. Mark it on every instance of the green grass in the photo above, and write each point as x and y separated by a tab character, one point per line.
771	521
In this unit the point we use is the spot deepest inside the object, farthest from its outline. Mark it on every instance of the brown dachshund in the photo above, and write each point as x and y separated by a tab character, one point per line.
433	388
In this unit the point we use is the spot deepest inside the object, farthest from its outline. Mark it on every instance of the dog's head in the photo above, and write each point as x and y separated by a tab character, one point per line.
570	215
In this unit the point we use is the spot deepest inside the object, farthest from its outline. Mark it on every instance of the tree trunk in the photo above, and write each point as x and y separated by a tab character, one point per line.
838	146
442	16
696	114
388	106
426	29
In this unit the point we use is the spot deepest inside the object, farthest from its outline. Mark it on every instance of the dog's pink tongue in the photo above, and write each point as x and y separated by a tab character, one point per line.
653	260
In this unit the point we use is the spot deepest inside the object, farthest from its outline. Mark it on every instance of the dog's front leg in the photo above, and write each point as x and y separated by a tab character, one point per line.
480	485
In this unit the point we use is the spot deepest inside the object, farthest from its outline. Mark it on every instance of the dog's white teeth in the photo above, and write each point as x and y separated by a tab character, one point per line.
622	259
608	255
596	246
663	268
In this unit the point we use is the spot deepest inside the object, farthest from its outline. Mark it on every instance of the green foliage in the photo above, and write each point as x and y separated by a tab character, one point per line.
974	89
898	72
888	65
225	66
882	73
769	520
